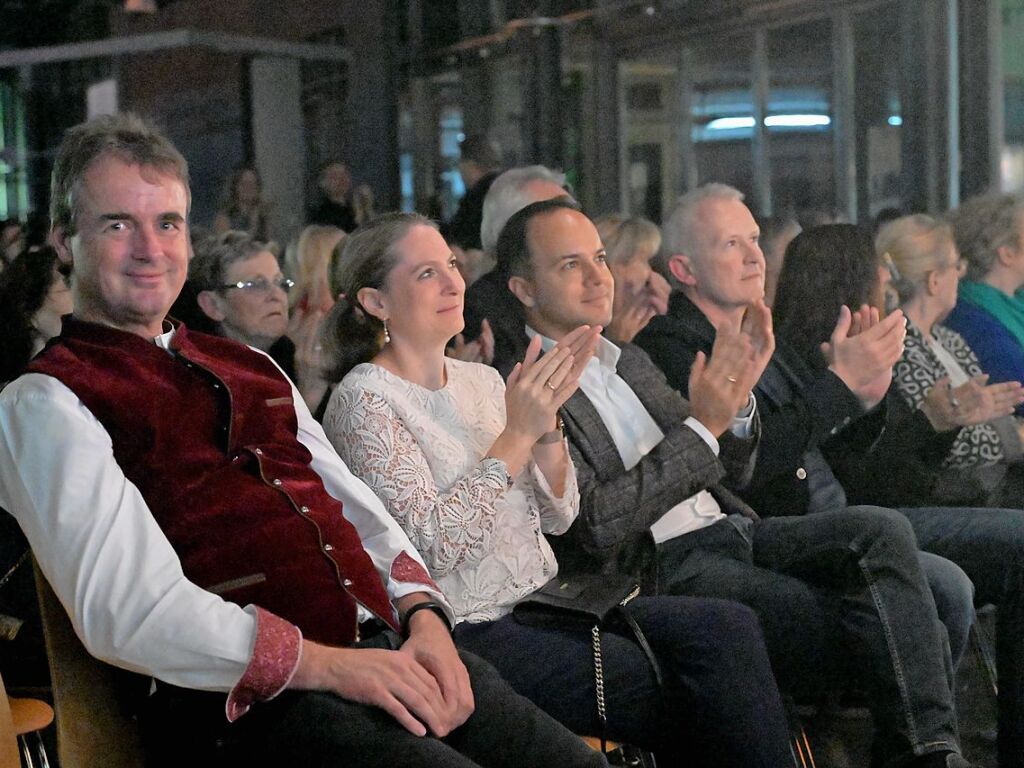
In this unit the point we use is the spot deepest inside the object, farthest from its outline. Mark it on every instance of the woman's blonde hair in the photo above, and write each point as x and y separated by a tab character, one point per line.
626	236
310	262
916	246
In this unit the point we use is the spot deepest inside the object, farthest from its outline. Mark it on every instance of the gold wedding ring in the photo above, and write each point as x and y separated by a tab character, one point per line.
731	379
549	385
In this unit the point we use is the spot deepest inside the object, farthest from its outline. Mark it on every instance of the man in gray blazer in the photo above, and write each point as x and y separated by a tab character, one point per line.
651	469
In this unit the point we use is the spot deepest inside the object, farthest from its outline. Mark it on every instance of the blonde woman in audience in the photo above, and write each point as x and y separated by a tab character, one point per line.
477	471
985	457
640	292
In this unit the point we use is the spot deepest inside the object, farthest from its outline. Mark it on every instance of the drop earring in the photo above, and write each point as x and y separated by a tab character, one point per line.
387	336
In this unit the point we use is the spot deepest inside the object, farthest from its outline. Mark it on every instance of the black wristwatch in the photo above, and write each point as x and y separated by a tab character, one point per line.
426	605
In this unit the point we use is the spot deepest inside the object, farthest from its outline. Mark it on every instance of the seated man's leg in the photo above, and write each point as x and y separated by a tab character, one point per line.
868	557
314	728
953	593
989	545
711	656
800	623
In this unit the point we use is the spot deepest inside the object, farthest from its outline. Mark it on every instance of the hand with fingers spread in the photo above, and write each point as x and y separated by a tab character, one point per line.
863	349
720	385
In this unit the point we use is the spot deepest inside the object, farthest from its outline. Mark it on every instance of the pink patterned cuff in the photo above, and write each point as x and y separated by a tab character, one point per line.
275	658
406	570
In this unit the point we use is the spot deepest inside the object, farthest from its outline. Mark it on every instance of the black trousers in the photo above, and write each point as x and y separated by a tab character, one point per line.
313	728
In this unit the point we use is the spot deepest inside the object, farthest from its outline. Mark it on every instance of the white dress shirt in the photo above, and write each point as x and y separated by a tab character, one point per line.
109	562
635	434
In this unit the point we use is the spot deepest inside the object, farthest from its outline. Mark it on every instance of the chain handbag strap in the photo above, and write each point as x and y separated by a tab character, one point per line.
595	641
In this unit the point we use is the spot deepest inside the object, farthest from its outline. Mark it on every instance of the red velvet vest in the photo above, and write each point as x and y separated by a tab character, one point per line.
208	436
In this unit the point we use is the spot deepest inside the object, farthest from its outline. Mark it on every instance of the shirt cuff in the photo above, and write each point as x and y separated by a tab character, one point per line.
275	657
743	425
703	433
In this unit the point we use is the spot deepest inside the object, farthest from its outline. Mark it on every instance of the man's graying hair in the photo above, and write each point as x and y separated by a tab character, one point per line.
125	136
679	233
506	196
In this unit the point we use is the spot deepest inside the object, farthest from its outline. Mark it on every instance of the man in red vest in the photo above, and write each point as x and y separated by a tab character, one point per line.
199	528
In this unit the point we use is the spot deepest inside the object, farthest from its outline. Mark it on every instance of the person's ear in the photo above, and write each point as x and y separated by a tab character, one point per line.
210	303
679	266
373	303
932	285
522	289
60	239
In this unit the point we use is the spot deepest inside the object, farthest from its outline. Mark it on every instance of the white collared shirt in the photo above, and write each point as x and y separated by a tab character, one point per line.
635	434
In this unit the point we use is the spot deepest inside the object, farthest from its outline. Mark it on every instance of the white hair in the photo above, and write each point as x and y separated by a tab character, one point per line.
507	196
679	231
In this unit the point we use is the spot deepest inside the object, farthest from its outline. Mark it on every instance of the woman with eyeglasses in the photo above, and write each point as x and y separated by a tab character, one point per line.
985	459
240	287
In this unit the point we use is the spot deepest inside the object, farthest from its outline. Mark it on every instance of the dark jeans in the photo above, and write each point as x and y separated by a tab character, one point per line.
844	583
719	705
989	545
312	728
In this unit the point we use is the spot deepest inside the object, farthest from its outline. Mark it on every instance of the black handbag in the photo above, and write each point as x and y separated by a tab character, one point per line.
588	602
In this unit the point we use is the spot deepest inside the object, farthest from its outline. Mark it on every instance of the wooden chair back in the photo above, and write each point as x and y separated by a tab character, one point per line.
92	729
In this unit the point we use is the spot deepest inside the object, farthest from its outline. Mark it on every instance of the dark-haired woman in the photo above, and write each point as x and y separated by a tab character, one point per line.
242	206
477	471
34	295
835	266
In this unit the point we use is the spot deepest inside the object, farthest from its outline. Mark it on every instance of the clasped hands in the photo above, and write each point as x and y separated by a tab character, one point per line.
424	685
720	386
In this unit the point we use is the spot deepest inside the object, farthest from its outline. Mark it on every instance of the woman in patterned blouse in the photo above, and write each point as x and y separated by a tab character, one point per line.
477	472
986	455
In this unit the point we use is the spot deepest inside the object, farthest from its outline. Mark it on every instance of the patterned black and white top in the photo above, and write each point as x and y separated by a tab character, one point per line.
916	373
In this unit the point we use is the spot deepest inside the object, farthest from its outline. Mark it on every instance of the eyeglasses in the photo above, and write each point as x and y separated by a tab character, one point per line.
260	285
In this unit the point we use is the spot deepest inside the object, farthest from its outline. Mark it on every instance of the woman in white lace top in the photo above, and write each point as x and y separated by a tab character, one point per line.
477	472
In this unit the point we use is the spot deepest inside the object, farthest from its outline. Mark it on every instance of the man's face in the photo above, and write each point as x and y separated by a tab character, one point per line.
570	284
130	253
256	315
727	271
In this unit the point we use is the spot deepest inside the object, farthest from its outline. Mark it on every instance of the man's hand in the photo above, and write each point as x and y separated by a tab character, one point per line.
863	350
720	387
393	681
757	325
430	644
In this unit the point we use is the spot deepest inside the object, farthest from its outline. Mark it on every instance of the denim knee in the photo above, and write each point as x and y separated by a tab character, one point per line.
884	524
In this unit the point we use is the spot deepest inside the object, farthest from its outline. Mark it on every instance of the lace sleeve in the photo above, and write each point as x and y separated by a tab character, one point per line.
450	528
556	514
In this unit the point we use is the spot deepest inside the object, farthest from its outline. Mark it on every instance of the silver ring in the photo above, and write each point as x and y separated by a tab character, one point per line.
731	379
954	402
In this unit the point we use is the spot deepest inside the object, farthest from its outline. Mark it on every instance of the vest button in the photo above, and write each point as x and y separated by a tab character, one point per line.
258	452
801	474
347	583
328	547
277	482
216	385
304	510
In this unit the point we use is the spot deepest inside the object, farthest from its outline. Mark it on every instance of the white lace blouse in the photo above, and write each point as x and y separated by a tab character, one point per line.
422	452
